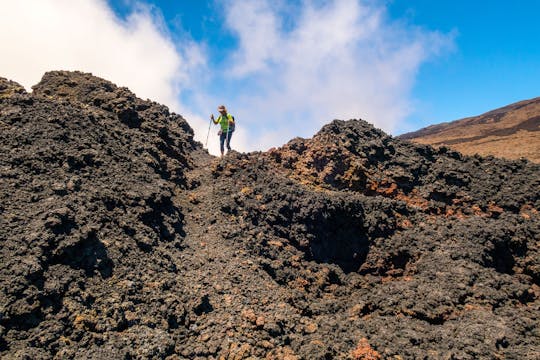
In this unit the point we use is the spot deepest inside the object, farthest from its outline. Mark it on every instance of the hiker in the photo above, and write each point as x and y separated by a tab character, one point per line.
226	121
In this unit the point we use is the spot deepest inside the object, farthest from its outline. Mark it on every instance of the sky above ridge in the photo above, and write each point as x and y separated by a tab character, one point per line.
285	68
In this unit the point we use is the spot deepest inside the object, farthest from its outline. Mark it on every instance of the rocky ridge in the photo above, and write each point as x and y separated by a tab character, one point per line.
122	238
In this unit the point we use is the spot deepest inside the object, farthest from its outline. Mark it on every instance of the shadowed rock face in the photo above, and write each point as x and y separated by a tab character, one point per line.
122	238
511	132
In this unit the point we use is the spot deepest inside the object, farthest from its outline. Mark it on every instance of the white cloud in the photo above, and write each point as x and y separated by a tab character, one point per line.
43	35
342	59
296	66
257	26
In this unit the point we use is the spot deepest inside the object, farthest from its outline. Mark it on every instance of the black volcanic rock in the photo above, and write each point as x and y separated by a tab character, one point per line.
86	206
10	88
122	238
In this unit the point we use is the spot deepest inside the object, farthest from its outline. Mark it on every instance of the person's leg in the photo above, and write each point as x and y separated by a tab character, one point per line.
221	142
229	141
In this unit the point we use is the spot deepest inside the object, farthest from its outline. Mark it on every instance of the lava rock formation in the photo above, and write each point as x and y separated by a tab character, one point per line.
121	238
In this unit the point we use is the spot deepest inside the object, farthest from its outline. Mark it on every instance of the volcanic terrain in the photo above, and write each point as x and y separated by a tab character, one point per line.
122	238
511	132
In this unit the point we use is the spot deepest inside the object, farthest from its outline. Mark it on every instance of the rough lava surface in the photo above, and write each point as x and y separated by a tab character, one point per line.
121	238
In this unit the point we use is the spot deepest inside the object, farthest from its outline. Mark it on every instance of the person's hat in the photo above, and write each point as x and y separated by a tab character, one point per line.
222	108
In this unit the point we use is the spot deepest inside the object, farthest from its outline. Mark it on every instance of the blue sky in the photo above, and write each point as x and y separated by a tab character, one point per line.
495	59
285	68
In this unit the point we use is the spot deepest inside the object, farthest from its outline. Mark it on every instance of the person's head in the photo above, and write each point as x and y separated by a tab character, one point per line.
222	109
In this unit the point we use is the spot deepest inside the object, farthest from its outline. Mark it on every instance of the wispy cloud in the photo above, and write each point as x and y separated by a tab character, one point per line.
339	59
295	67
42	35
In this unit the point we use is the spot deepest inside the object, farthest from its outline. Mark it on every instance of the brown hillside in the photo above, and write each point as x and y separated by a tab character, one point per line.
510	132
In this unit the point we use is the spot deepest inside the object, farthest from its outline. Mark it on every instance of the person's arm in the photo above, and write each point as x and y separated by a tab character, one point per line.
214	120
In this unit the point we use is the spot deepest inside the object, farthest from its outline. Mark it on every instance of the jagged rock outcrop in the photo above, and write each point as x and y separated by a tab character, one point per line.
122	238
88	176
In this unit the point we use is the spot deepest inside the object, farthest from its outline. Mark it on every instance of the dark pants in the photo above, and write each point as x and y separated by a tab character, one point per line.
224	138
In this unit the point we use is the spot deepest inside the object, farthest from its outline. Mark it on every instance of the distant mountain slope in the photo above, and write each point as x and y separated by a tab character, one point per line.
510	132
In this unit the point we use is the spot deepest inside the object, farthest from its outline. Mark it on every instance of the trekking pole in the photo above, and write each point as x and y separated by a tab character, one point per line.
207	135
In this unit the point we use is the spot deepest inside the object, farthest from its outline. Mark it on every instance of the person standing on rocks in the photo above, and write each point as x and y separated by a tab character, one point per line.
226	121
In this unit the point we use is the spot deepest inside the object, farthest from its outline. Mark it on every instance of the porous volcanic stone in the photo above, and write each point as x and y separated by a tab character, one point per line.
121	238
